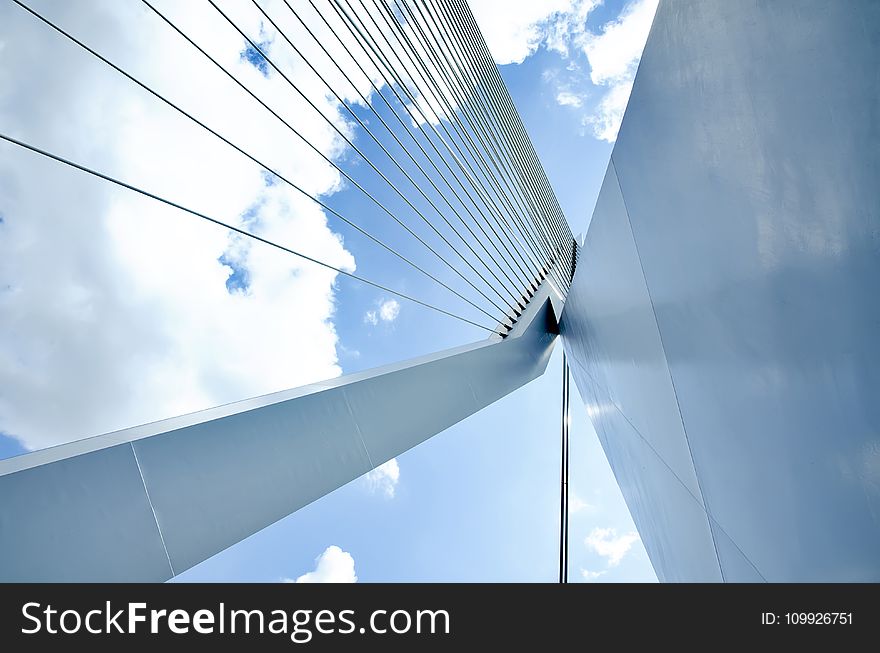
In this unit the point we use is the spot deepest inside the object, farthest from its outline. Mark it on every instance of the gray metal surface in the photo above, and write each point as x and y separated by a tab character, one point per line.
617	360
146	503
723	324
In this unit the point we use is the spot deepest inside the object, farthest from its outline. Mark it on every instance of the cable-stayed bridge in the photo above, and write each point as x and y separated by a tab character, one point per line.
719	317
448	162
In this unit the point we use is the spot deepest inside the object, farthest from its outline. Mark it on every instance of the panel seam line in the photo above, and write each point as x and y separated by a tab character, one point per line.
357	428
152	509
668	368
669	468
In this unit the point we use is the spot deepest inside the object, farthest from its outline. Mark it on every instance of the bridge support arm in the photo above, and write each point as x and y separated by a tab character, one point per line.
146	503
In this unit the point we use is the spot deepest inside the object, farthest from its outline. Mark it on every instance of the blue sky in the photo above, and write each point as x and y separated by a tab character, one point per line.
478	502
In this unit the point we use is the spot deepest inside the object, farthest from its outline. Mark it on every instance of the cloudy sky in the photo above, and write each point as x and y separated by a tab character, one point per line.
116	310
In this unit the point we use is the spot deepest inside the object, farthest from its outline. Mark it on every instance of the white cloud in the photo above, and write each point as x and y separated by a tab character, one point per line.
384	478
608	544
115	308
569	99
606	118
389	310
576	504
614	53
332	566
614	56
567	28
589	576
514	28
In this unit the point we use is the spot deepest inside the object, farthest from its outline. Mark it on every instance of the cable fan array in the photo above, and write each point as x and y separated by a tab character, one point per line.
437	146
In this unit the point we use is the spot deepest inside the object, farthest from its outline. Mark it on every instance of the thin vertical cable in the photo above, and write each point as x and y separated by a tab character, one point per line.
563	498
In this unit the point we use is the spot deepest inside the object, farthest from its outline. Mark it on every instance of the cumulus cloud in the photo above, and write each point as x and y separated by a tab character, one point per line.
384	478
615	51
612	50
614	55
569	99
515	28
387	311
590	576
332	566
117	310
565	29
605	120
608	544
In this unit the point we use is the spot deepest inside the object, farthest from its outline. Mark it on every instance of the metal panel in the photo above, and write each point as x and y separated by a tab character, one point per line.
617	360
215	483
682	548
748	161
736	567
491	373
79	519
93	510
620	331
